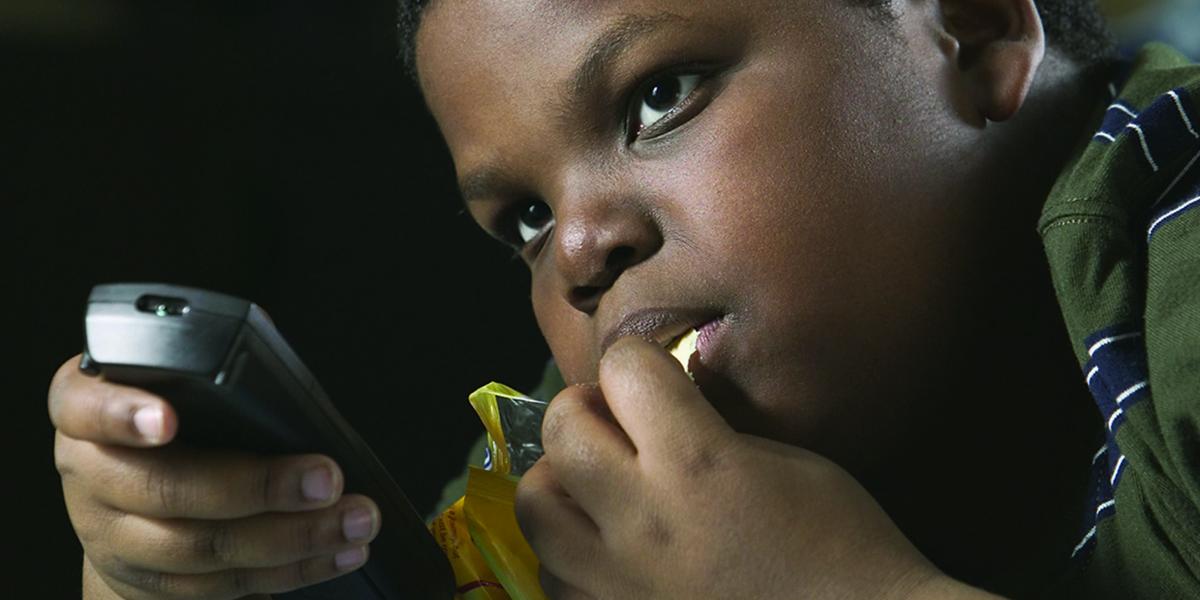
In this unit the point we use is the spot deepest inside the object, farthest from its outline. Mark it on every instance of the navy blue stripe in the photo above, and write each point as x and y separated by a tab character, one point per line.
1114	122
1167	133
1120	367
1099	493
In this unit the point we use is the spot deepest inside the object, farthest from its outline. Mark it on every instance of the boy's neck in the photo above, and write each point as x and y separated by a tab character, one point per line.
994	494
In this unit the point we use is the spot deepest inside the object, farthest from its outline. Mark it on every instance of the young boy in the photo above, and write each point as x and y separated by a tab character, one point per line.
844	200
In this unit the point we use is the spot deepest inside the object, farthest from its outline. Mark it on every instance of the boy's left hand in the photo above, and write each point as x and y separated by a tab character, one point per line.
645	492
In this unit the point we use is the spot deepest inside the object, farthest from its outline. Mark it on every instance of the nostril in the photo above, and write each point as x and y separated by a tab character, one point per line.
586	297
619	258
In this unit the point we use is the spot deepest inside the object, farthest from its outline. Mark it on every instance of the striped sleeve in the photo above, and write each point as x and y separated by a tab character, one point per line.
1122	235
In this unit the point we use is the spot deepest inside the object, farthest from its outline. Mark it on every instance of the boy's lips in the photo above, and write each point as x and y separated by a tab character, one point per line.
660	325
708	332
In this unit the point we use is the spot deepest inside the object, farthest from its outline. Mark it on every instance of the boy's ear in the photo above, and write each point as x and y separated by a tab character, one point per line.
997	45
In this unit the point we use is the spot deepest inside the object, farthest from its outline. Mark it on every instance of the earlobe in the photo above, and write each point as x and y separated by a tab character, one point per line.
999	45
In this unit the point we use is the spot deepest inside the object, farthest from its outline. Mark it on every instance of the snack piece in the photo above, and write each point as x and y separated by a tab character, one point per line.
684	348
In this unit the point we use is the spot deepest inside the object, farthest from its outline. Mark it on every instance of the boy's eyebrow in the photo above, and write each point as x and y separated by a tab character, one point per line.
480	183
598	59
610	44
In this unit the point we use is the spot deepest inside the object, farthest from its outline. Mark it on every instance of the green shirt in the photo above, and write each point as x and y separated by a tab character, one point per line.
1121	231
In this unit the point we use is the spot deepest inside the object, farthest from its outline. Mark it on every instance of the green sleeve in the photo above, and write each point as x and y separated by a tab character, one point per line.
1172	322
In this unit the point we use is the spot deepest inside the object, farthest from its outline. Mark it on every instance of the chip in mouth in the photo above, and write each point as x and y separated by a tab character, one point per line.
683	348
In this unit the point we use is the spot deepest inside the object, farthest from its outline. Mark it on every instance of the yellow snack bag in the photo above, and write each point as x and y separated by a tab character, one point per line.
493	527
479	533
473	579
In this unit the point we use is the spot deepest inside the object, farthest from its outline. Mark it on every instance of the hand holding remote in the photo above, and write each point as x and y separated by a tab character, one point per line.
172	522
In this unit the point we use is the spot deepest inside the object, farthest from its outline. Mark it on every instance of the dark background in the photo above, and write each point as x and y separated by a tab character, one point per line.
273	150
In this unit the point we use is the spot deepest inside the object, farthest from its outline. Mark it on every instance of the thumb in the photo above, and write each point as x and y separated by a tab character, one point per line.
653	400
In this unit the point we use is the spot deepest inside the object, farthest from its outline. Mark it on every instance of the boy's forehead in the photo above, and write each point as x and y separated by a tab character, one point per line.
483	63
534	25
531	36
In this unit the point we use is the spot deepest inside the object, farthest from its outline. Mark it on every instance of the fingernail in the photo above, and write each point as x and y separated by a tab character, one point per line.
358	524
317	485
349	559
148	421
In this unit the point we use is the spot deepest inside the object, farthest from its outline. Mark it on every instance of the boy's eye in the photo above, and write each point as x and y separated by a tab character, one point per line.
532	219
662	98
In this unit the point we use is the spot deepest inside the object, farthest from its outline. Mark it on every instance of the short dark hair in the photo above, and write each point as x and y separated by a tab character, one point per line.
1075	27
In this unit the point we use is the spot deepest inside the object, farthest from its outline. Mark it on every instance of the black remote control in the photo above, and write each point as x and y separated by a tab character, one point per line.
236	384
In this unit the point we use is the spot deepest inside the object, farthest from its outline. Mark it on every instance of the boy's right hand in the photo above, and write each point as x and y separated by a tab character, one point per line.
172	522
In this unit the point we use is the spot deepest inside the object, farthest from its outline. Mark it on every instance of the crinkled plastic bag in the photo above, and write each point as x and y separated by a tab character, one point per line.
514	427
497	555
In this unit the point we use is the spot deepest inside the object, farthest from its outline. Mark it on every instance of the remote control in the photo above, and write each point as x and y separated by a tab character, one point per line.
236	384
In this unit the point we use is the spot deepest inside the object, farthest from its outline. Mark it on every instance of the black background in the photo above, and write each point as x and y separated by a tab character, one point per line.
273	150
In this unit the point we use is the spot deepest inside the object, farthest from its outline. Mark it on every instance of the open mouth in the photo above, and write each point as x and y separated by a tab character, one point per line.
662	326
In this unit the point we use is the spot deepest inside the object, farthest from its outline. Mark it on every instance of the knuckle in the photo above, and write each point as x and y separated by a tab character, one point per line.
241	582
266	482
559	413
655	531
140	582
308	538
217	545
156	583
172	494
702	459
305	572
95	533
107	565
66	454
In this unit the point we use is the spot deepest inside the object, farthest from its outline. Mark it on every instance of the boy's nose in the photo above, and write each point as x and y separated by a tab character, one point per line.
598	242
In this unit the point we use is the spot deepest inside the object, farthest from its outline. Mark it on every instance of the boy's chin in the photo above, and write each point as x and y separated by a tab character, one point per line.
749	410
857	435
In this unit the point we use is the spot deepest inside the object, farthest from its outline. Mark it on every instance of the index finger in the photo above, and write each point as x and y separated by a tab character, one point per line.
657	405
88	408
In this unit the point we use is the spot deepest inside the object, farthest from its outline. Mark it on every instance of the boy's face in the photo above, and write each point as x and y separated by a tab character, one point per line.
788	190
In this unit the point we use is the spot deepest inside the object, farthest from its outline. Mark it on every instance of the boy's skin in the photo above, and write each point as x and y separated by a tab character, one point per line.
852	198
